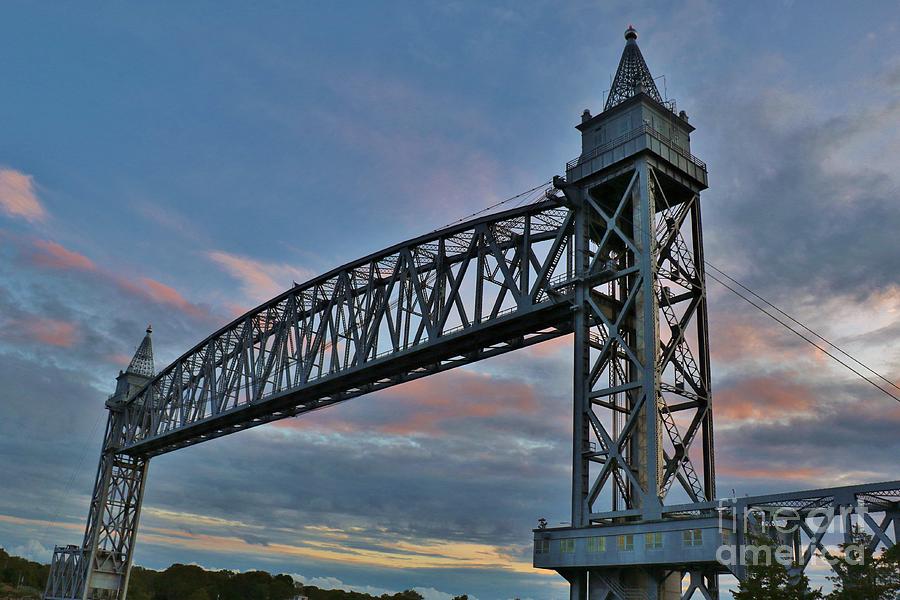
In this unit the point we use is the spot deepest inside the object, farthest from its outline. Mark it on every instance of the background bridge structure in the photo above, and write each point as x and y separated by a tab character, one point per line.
611	254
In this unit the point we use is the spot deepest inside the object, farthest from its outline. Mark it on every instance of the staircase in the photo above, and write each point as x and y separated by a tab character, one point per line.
620	593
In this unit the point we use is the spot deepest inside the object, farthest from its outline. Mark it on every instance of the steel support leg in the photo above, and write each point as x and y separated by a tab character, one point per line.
100	568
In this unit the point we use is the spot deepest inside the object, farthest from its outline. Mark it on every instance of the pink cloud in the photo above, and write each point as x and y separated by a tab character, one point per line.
259	280
773	473
53	332
18	197
55	256
430	405
160	293
52	255
560	346
31	328
764	398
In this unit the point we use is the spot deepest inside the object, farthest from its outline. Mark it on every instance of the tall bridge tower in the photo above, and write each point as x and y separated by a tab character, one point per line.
643	428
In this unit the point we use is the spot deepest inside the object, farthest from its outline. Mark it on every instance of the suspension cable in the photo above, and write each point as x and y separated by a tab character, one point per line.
802	336
797	322
501	203
787	326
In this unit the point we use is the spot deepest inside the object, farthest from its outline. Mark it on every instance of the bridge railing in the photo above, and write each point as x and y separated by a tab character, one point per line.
633	134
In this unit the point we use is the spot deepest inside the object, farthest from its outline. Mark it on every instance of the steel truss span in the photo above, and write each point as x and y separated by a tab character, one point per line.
456	296
801	521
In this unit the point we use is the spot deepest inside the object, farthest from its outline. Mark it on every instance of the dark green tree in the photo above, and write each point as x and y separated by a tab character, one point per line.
861	575
768	579
407	595
15	570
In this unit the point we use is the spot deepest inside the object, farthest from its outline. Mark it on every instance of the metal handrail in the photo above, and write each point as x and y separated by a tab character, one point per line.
627	137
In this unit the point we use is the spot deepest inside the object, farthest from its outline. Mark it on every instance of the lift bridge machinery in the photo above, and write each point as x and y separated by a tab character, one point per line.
613	255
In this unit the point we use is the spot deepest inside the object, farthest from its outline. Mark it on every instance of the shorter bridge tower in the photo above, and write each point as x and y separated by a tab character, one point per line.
100	567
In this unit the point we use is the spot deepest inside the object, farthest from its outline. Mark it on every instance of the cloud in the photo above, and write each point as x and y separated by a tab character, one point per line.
403	554
423	407
429	593
18	197
781	473
47	254
162	293
259	280
805	431
52	255
811	196
333	583
765	398
52	331
20	325
33	550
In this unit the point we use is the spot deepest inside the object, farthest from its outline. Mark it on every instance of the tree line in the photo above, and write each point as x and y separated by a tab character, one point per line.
22	578
869	577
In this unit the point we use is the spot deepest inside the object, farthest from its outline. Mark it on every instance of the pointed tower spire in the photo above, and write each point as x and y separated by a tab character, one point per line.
632	76
142	363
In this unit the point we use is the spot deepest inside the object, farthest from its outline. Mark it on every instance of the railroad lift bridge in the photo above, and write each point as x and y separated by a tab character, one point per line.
611	254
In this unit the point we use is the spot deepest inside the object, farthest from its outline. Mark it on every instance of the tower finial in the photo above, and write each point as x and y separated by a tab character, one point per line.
633	76
142	362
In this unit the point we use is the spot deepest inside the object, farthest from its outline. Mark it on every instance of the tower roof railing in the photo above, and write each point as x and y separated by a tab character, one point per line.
627	137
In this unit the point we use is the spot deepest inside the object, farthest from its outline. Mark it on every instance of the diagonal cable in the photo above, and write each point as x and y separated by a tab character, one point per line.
797	322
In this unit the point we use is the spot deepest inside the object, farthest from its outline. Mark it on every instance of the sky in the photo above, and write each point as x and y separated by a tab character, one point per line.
179	163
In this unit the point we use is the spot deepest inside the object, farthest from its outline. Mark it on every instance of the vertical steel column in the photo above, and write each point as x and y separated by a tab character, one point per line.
581	387
648	438
101	567
114	516
709	454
